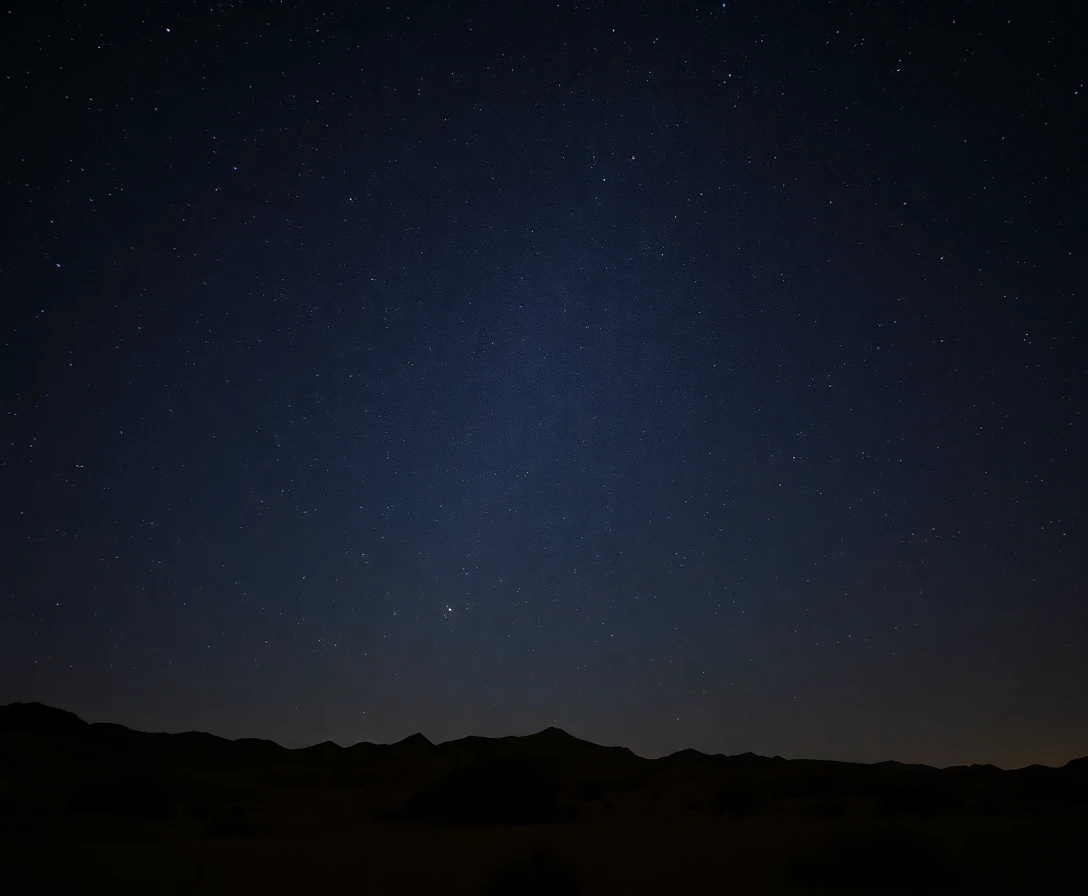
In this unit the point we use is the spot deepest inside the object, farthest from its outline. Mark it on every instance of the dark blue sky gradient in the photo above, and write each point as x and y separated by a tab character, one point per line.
683	375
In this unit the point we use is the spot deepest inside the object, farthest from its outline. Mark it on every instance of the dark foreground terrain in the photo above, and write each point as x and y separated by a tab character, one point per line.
103	808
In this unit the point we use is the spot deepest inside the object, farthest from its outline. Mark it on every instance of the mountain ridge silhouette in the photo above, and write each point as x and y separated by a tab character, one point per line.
68	785
42	719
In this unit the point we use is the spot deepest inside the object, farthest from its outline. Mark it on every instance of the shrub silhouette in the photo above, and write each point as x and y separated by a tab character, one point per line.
506	793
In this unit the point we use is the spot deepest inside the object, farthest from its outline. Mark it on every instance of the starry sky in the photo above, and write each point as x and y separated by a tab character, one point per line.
684	375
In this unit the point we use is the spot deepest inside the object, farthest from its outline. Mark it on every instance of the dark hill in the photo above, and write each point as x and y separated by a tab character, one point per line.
413	742
259	746
687	755
37	718
326	750
545	808
62	760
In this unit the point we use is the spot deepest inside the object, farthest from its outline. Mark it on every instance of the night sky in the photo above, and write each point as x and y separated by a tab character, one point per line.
683	375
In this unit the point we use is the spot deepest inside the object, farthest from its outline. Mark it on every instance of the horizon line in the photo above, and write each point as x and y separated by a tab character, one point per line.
436	743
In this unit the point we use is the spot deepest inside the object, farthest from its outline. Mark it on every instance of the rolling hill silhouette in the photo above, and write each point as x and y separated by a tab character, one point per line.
62	773
38	720
34	733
